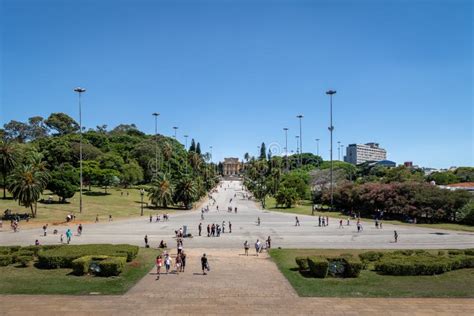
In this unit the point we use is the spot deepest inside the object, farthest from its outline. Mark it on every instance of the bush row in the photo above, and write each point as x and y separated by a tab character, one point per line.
319	266
62	257
108	266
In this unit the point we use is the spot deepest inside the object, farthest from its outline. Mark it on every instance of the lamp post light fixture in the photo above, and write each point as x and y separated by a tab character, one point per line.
301	140
317	146
155	172
331	129
339	150
80	91
286	147
142	193
175	129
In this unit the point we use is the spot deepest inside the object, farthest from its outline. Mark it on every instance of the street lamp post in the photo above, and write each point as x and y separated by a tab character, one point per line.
317	146
297	145
175	129
286	147
79	91
186	142
331	129
301	141
142	193
155	173
342	151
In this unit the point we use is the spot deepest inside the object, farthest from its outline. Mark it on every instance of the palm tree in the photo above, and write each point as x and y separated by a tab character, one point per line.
186	192
195	161
7	162
162	192
26	184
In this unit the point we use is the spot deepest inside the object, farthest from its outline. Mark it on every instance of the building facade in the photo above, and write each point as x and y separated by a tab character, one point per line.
360	153
231	166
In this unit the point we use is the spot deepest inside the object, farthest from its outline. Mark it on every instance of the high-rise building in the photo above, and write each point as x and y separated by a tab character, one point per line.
360	153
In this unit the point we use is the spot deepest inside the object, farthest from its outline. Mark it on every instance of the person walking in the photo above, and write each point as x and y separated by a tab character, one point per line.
223	227
167	263
246	248
146	241
204	264
208	230
97	218
183	261
395	235
327	221
258	221
297	221
257	246
200	228
68	235
319	221
151	218
79	230
45	229
159	263
340	224
269	243
230	227
178	263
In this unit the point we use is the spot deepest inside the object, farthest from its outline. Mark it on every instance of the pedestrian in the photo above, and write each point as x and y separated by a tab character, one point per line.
348	221
327	221
110	217
183	261
159	263
376	223
146	241
258	221
208	230
235	210
151	218
297	221
180	246
380	225
319	221
324	221
79	230
167	263
269	243
45	229
395	235
68	235
230	227
61	240
178	263
200	228
37	243
223	227
257	246
204	264
340	224
246	247
97	218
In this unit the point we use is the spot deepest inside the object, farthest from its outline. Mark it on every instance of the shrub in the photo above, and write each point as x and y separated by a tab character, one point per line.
36	249
455	252
5	260
353	267
414	265
469	252
302	263
112	266
23	260
318	266
62	257
406	252
22	253
5	250
441	253
370	256
80	266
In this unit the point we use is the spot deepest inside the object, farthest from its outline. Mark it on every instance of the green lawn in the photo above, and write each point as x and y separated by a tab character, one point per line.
304	208
94	202
458	283
31	280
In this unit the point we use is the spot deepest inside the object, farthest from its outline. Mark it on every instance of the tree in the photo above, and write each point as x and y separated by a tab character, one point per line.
37	128
108	177
247	157
286	197
192	148
186	192
62	123
64	182
8	161
26	184
132	173
161	193
465	174
198	149
16	131
442	178
263	151
91	172
111	160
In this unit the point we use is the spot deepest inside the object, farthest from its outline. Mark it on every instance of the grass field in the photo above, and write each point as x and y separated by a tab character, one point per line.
94	202
31	280
458	283
304	208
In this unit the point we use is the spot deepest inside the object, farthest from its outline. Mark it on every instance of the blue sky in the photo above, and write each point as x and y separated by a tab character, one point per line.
233	73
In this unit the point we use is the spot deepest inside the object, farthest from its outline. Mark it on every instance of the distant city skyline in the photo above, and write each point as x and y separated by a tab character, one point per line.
233	74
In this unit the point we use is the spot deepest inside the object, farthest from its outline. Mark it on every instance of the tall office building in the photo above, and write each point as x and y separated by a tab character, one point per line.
360	153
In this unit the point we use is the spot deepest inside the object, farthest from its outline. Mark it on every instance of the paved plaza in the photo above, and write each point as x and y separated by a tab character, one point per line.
280	226
236	284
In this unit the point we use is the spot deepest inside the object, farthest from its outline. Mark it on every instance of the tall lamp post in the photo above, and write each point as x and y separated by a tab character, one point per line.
286	147
142	193
301	141
331	129
156	145
297	144
317	146
342	151
338	150
186	142
175	129
80	91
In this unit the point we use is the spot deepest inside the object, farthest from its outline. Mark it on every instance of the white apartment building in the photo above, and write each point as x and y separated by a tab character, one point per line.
360	153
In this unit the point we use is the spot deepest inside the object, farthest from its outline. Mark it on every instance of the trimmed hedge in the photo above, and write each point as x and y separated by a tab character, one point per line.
62	257
80	266
469	252
112	266
5	260
371	256
353	266
5	250
417	265
455	252
302	263
23	260
318	266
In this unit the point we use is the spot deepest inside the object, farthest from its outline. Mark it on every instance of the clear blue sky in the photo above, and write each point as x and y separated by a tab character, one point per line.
233	73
